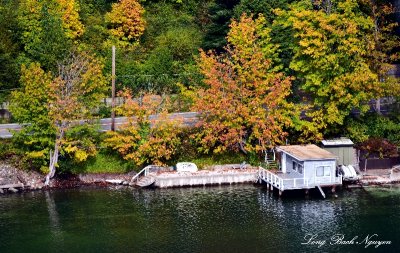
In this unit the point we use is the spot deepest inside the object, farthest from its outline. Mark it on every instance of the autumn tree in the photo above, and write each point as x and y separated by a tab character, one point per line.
330	48
51	106
145	139
243	106
126	22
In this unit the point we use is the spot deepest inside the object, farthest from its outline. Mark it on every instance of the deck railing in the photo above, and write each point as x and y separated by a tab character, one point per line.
290	183
144	172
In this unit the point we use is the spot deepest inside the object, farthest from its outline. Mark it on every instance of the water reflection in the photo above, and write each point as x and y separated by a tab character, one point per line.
55	227
217	219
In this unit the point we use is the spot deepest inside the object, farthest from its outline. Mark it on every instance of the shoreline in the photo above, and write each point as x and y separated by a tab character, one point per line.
33	181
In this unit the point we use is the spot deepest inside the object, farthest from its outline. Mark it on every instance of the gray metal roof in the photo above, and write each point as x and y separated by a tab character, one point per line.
338	142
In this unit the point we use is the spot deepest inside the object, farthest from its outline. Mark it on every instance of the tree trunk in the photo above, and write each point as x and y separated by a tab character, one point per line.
54	159
241	147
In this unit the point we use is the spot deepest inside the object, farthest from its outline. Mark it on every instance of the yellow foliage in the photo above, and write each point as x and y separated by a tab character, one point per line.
69	11
36	154
143	139
126	21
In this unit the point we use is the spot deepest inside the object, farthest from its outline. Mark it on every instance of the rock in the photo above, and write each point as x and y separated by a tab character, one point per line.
12	175
13	190
114	181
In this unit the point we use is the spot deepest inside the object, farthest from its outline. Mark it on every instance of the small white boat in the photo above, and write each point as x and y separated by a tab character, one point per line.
348	173
186	167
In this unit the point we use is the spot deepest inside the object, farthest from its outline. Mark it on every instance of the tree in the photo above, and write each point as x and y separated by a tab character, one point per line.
330	49
144	140
42	33
243	105
29	107
52	106
126	22
73	94
220	13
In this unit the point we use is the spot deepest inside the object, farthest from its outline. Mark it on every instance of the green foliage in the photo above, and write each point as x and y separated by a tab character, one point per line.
339	52
14	154
103	162
81	142
329	56
265	7
9	46
220	15
203	162
42	33
49	107
373	126
29	107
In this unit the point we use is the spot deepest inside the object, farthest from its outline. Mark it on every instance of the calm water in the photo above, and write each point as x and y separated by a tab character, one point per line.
218	219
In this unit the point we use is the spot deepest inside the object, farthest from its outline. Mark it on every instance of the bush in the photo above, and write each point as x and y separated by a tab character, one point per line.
103	162
377	147
374	126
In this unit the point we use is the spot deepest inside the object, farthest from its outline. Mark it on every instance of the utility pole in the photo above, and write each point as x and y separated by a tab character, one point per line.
113	91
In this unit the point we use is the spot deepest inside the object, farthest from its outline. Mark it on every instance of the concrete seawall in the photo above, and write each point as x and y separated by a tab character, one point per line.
166	180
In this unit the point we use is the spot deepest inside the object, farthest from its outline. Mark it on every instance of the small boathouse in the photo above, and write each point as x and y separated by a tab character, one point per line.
302	167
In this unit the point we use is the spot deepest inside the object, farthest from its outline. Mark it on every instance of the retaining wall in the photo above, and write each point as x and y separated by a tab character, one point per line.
193	179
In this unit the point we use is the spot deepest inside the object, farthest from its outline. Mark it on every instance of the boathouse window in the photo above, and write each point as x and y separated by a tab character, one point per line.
323	171
298	167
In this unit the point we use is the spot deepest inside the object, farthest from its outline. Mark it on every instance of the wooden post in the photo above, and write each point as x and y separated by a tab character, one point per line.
113	91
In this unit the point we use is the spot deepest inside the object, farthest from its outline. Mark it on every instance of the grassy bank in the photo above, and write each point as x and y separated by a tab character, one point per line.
102	163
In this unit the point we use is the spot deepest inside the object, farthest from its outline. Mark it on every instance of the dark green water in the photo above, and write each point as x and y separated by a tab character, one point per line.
218	219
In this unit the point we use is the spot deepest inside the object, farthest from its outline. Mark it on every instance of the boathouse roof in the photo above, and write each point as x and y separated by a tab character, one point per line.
307	152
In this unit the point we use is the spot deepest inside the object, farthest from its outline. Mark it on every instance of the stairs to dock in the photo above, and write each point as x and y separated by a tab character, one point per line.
145	181
270	162
143	178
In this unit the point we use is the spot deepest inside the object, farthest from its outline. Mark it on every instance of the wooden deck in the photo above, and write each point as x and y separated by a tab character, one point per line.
292	181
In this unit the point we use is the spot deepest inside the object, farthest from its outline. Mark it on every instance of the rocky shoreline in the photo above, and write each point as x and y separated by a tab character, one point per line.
14	180
32	180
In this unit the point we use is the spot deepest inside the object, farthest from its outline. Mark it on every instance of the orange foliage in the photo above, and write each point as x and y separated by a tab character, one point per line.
243	106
